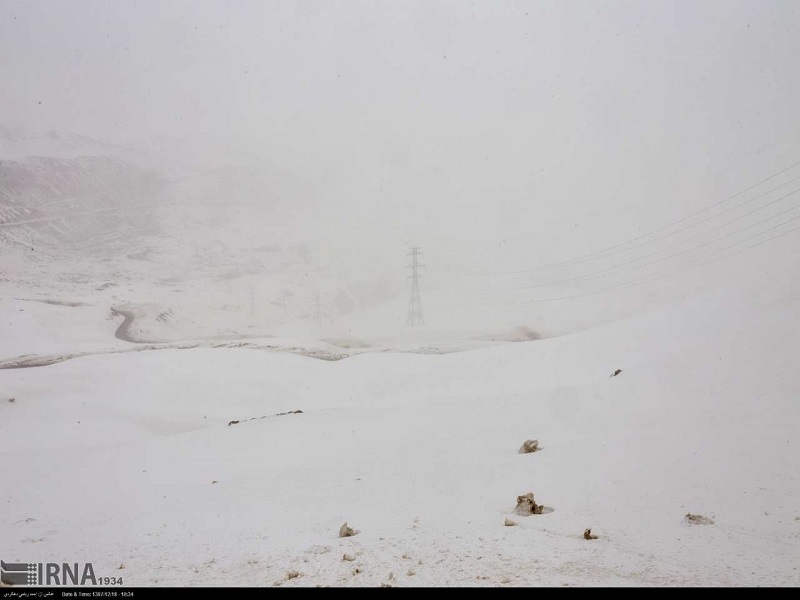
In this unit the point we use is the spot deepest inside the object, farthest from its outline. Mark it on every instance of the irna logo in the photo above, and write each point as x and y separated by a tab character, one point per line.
47	573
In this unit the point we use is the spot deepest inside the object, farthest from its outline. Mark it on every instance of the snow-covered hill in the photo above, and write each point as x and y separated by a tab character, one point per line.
419	452
17	143
165	326
65	207
276	287
82	221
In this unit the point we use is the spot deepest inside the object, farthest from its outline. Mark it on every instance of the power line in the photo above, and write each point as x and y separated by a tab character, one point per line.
616	248
679	221
415	316
670	272
652	277
706	220
620	266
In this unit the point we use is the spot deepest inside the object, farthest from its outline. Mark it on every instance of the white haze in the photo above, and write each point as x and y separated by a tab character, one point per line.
499	136
206	211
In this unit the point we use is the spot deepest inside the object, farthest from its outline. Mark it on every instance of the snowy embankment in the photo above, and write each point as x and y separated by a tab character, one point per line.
49	331
128	460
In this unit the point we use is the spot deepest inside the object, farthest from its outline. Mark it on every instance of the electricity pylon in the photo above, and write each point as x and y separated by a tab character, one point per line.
415	301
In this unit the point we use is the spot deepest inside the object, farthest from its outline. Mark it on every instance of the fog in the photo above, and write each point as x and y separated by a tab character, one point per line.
397	293
499	136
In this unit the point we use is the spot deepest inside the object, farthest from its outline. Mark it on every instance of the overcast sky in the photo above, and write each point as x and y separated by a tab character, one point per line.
534	119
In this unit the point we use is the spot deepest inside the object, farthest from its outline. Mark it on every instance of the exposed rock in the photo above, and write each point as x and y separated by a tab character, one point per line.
346	531
698	519
529	446
527	506
348	557
587	535
617	372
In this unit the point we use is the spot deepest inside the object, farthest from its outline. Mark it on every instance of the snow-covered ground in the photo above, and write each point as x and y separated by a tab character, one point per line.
208	365
129	459
152	361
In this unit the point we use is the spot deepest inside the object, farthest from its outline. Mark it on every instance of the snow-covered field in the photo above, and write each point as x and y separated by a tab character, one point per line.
188	398
129	459
273	273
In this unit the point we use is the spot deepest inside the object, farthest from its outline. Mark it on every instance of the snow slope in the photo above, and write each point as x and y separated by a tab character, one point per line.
128	460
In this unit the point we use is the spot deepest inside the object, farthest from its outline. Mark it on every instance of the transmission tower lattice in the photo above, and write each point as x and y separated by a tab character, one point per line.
415	316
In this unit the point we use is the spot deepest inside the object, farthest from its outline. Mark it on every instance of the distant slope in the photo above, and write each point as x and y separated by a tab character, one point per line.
420	454
17	144
51	204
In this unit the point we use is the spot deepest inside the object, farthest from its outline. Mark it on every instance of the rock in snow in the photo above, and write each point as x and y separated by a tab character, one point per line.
346	531
526	506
